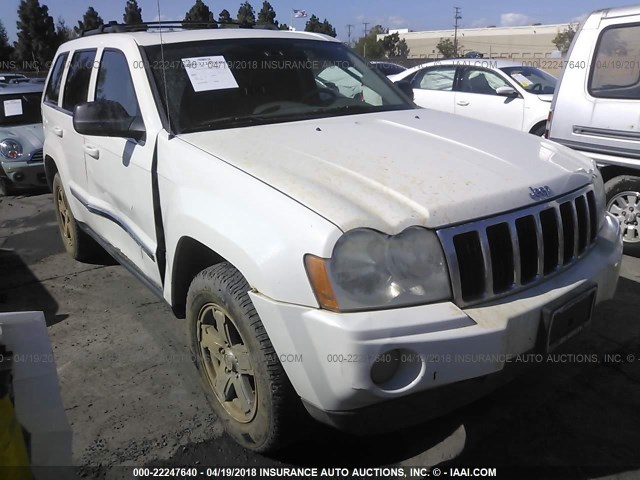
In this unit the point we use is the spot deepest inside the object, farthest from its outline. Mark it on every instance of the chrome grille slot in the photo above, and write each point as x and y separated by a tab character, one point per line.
501	250
469	254
583	223
550	239
527	238
496	256
567	211
593	219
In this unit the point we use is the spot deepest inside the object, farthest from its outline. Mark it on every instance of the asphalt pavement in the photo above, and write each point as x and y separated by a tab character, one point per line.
133	397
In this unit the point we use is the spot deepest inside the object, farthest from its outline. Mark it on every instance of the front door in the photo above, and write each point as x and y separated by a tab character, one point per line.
119	173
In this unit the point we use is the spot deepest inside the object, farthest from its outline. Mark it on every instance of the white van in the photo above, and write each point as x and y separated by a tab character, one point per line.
596	109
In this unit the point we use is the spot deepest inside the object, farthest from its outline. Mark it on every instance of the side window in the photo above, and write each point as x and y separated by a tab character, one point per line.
615	70
483	82
114	81
53	88
436	79
77	86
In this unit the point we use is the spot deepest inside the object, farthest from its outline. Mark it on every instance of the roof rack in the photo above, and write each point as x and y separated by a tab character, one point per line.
115	27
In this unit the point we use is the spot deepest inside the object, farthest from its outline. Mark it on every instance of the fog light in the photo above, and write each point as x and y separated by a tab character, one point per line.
385	367
18	177
396	369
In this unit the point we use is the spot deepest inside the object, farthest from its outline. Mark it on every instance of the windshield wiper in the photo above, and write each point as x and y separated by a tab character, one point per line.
225	122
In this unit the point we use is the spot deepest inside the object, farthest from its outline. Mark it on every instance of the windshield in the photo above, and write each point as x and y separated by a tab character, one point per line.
20	109
532	79
230	83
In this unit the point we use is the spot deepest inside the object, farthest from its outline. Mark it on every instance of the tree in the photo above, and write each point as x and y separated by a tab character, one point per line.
563	40
283	26
63	32
90	21
370	46
224	17
394	47
132	13
246	14
199	13
6	50
267	15
314	25
37	39
446	48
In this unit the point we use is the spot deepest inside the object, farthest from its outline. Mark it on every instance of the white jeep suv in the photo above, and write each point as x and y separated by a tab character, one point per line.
334	248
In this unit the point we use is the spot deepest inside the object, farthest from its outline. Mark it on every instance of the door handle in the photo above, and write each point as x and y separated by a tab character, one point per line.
92	151
463	103
58	131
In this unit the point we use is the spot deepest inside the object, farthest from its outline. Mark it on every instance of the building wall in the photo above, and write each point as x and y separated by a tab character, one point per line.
530	42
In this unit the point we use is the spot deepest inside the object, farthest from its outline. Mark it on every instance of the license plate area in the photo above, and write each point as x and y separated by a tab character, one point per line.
567	316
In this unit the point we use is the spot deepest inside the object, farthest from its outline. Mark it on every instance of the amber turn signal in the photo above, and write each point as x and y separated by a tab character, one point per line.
319	277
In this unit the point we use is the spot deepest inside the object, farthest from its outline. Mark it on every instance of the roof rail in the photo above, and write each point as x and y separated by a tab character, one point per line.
115	27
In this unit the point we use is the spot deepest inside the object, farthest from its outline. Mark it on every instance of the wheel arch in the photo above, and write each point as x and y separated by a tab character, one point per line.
540	124
50	170
191	257
613	171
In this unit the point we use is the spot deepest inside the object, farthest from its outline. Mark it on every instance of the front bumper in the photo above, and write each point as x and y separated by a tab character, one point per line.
328	356
24	174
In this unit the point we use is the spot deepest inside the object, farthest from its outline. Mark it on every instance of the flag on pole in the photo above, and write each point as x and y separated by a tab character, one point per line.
299	13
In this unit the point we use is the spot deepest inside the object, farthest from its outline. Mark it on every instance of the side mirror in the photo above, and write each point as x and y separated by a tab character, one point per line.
106	118
506	92
406	88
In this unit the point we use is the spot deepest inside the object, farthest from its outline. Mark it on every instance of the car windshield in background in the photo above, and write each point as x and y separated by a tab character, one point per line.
532	79
20	109
230	83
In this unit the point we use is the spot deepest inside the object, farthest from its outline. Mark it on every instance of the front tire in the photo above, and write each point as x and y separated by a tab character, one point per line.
242	375
77	243
623	202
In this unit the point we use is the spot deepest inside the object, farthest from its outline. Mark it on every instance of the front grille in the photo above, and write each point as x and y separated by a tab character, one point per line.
499	255
36	156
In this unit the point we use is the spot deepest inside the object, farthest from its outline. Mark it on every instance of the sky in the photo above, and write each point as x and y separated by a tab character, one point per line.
414	14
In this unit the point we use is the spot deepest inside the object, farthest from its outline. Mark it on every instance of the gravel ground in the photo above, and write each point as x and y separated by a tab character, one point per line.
133	398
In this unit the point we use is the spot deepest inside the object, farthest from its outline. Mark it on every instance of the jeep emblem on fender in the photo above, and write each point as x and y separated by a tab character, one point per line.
539	193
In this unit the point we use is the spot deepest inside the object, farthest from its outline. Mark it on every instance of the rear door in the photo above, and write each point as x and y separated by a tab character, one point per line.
476	97
433	88
68	85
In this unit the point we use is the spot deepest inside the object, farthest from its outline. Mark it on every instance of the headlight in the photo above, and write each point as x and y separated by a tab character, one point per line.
370	270
10	149
600	197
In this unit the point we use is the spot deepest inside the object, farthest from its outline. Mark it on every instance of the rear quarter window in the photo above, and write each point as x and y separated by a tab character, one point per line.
52	91
615	70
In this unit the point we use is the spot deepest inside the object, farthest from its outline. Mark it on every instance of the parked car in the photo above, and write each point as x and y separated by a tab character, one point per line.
21	137
374	263
388	68
8	77
497	91
595	110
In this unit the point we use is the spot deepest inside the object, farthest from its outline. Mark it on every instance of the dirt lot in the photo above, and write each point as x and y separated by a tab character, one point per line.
133	397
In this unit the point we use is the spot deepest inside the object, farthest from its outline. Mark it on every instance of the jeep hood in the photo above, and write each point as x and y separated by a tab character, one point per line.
392	170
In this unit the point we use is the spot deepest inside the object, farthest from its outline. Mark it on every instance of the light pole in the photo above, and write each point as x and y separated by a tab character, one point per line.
457	17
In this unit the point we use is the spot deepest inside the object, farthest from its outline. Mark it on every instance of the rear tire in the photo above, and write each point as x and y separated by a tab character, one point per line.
242	375
623	201
77	243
